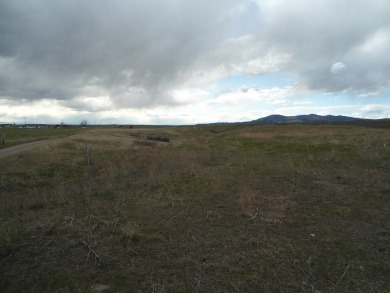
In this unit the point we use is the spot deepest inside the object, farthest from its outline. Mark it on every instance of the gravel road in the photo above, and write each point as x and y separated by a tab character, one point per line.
7	152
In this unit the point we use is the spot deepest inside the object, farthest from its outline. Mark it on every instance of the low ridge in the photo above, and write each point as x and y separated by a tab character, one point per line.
300	118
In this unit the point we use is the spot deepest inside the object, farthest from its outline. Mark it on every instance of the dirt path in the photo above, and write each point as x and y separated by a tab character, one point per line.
7	152
120	137
93	134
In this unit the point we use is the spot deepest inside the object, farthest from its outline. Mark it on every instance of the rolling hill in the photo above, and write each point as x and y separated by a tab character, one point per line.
301	118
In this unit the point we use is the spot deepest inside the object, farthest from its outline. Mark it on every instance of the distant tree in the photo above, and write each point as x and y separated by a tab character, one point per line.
84	123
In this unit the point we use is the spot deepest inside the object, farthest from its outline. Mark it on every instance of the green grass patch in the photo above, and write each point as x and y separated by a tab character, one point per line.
15	136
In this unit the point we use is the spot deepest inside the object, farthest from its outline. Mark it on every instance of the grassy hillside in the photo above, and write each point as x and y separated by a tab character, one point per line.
285	208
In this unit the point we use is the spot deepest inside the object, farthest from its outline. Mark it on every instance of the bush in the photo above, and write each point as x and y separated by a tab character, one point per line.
158	138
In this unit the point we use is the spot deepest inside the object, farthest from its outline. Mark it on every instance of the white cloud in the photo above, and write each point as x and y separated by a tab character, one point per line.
337	67
42	111
90	104
374	111
245	96
188	95
376	43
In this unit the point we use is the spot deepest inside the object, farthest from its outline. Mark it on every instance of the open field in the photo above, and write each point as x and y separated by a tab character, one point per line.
232	208
15	136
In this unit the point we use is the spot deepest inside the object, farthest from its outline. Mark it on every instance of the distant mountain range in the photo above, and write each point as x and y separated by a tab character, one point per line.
301	118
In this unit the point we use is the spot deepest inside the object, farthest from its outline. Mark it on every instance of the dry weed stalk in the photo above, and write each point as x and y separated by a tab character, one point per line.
172	199
246	201
97	259
128	230
69	221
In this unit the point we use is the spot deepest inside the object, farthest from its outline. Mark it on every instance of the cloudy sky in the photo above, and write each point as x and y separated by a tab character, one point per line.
185	61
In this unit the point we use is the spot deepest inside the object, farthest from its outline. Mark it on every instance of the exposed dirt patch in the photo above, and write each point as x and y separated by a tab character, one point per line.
4	153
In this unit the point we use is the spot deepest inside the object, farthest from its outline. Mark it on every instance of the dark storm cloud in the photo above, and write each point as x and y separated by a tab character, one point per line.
138	51
56	48
319	34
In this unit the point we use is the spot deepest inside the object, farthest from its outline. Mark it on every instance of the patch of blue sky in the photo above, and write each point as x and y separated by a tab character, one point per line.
382	97
348	98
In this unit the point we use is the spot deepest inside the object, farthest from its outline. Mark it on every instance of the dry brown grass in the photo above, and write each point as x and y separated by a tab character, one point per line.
240	208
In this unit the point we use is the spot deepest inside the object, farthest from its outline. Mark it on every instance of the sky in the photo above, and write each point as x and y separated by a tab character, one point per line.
187	62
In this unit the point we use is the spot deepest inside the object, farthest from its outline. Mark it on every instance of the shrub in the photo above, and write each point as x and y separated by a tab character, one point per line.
158	138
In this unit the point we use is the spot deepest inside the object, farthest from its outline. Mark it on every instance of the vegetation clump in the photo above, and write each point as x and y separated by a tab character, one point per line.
158	138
